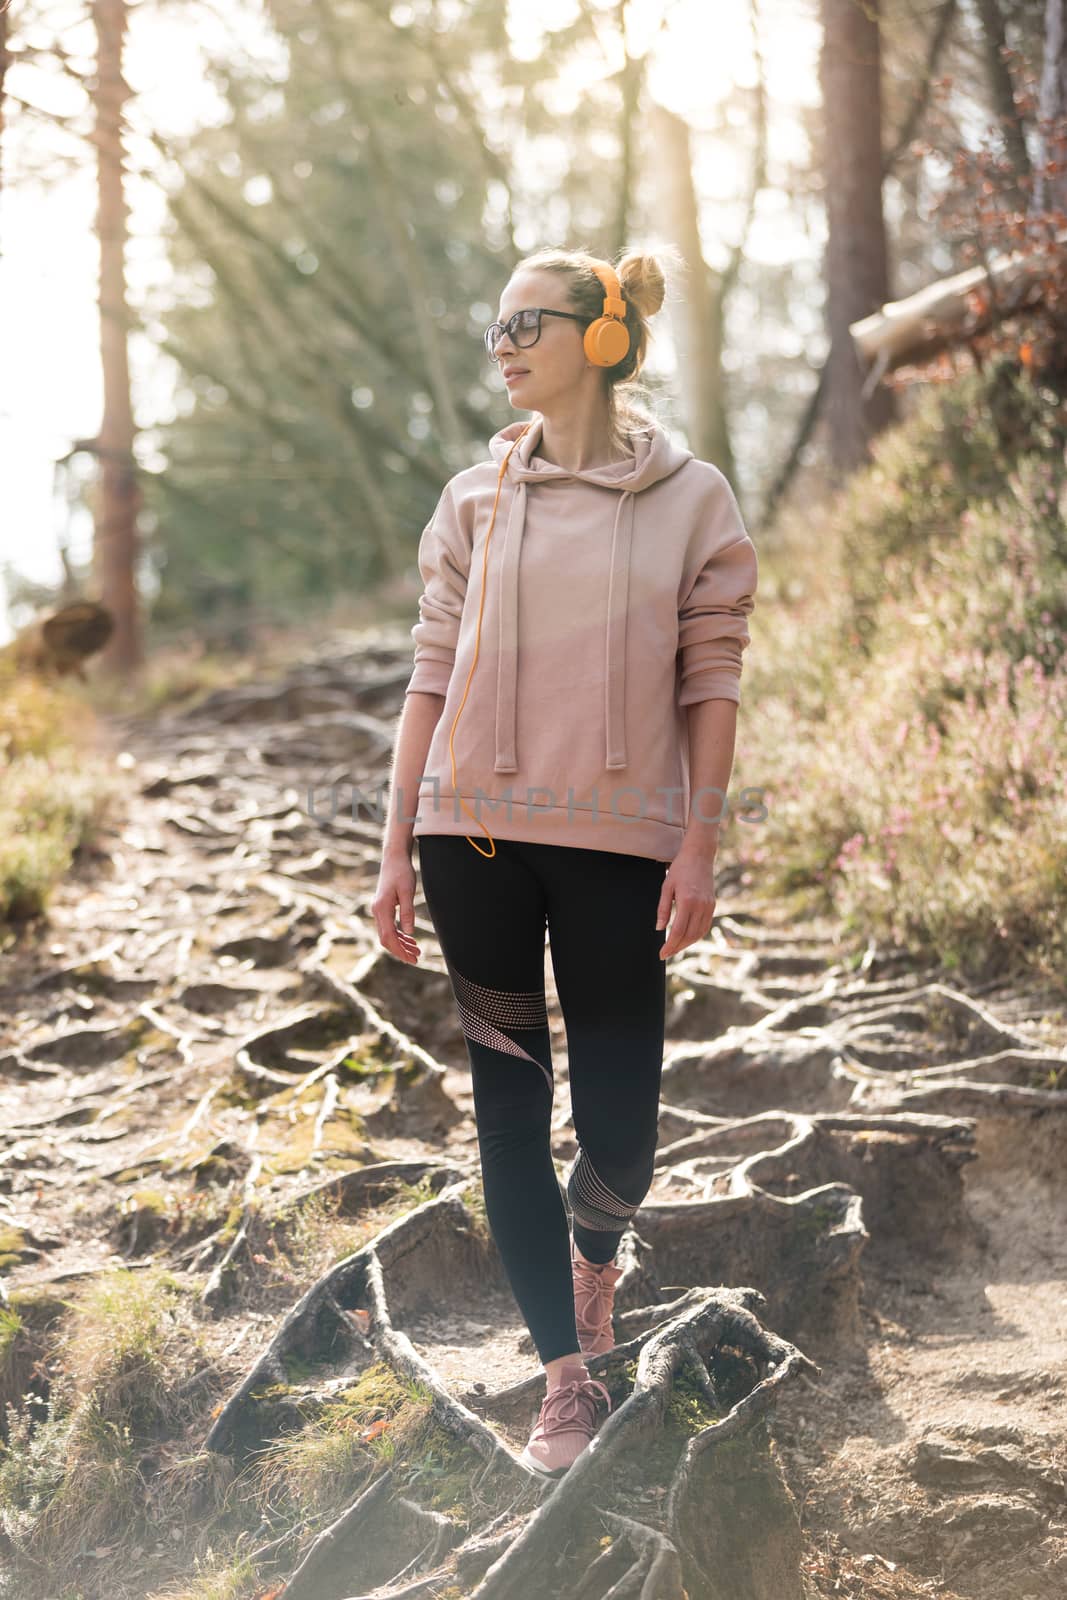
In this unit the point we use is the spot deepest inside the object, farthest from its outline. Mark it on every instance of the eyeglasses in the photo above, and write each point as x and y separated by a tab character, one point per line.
524	328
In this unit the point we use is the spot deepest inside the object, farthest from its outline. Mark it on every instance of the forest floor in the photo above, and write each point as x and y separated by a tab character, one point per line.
161	1032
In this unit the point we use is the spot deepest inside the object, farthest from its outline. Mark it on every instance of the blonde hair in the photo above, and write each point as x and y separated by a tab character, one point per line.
643	282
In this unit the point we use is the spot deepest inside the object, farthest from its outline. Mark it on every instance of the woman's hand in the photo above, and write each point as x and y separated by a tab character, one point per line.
396	888
690	883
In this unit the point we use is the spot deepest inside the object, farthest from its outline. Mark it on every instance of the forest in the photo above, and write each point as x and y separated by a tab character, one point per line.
265	1290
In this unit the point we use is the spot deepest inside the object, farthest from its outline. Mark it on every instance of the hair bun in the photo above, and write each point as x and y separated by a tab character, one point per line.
642	279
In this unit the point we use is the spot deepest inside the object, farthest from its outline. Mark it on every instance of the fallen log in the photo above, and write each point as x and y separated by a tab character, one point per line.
954	308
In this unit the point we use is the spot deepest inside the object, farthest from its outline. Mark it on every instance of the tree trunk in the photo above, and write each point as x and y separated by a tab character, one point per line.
698	315
118	496
856	259
631	83
3	70
994	39
1050	193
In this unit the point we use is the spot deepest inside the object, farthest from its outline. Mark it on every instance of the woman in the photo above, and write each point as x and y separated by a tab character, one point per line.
596	683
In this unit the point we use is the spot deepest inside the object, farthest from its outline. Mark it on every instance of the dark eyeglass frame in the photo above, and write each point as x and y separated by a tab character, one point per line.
511	328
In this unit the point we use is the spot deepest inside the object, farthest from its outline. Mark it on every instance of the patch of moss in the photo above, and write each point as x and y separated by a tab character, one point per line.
229	1228
11	1325
350	1116
689	1408
298	1370
1050	1078
359	1069
153	1200
438	1469
138	1169
316	1468
139	1031
377	1387
210	1169
272	1391
410	1195
377	1057
816	1221
239	1093
295	1149
12	1243
92	979
474	1200
38	1307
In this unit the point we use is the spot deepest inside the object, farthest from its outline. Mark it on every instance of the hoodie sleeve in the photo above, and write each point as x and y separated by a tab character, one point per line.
717	600
444	562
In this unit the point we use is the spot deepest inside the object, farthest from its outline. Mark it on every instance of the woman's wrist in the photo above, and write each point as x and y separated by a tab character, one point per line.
702	839
397	845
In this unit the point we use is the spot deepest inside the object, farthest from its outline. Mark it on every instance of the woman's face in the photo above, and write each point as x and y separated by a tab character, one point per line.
537	375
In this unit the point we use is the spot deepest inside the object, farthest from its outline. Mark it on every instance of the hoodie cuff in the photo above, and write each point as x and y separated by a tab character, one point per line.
431	675
714	684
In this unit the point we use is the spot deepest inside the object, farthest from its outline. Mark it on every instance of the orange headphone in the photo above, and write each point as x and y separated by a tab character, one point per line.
605	342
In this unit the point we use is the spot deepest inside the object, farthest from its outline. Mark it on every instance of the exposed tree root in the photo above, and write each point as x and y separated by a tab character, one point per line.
818	1116
215	1290
406	1255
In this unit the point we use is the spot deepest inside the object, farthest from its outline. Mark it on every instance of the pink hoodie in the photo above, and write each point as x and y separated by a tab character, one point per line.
614	598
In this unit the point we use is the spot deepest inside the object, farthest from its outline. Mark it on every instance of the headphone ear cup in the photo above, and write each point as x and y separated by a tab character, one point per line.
606	341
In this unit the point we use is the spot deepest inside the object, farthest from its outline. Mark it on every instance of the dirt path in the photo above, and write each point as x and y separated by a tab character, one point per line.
943	1445
182	1038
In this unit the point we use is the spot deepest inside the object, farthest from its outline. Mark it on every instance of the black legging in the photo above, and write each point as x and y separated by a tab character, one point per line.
490	915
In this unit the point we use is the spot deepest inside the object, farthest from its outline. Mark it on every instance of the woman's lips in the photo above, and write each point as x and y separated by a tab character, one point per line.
513	377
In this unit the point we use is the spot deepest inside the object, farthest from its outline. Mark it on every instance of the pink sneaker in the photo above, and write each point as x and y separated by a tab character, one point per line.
594	1297
567	1421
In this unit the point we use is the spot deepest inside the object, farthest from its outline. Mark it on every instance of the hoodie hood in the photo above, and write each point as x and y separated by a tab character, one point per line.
654	457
